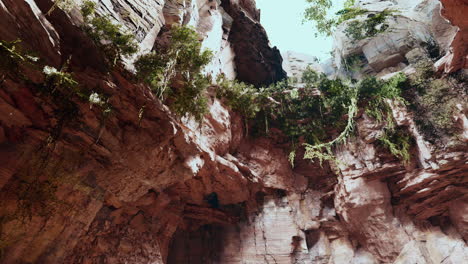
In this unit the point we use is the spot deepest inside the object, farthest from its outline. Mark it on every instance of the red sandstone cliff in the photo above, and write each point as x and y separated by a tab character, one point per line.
142	186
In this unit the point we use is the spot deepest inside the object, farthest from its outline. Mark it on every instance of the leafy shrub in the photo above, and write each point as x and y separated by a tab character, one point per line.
63	89
106	35
371	88
321	103
174	72
374	93
318	12
59	81
322	113
398	142
11	57
312	114
349	13
241	97
434	102
353	62
369	27
65	5
324	24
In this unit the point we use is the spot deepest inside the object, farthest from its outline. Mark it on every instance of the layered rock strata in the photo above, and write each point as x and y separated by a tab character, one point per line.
142	186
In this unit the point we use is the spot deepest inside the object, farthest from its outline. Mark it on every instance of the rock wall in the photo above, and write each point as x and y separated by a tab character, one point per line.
456	58
142	186
413	24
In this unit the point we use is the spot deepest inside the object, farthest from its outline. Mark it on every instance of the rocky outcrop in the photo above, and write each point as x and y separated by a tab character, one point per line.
257	63
140	185
414	24
456	58
295	64
109	183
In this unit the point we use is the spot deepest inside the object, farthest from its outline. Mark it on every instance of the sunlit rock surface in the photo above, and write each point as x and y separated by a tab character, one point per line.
156	189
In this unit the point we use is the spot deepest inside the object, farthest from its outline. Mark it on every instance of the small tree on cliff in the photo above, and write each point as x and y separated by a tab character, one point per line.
319	13
174	72
109	37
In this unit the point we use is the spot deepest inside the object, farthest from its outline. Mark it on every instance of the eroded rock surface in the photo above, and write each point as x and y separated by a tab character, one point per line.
143	186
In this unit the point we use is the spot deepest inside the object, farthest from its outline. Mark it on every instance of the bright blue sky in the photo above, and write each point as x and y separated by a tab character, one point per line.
282	20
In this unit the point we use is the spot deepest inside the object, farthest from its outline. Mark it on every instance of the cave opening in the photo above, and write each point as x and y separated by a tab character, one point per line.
202	246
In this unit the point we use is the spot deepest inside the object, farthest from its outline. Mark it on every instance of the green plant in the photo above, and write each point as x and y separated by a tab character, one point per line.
398	142
106	35
11	57
349	13
323	151
59	80
325	112
353	62
239	96
311	114
376	93
320	115
371	26
434	101
318	12
64	90
61	87
174	72
191	99
65	5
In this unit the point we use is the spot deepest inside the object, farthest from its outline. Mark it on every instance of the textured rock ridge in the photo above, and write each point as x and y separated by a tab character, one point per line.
142	186
456	58
256	62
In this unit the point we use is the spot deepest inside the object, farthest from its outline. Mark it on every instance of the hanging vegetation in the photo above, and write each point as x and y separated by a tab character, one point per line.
174	72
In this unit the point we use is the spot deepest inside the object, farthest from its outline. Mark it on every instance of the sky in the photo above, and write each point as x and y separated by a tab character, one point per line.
282	19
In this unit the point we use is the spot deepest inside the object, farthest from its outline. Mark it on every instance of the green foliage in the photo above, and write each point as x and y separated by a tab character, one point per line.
434	102
106	35
292	157
61	87
318	12
59	80
369	27
321	114
375	94
323	151
241	97
174	72
191	98
349	13
312	114
65	5
354	62
372	88
317	112
11	57
88	8
398	142
64	90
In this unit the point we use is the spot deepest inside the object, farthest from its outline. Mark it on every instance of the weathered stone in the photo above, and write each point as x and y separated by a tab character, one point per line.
144	186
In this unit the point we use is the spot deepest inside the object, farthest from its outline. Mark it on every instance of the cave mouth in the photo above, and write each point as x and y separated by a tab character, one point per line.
202	246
